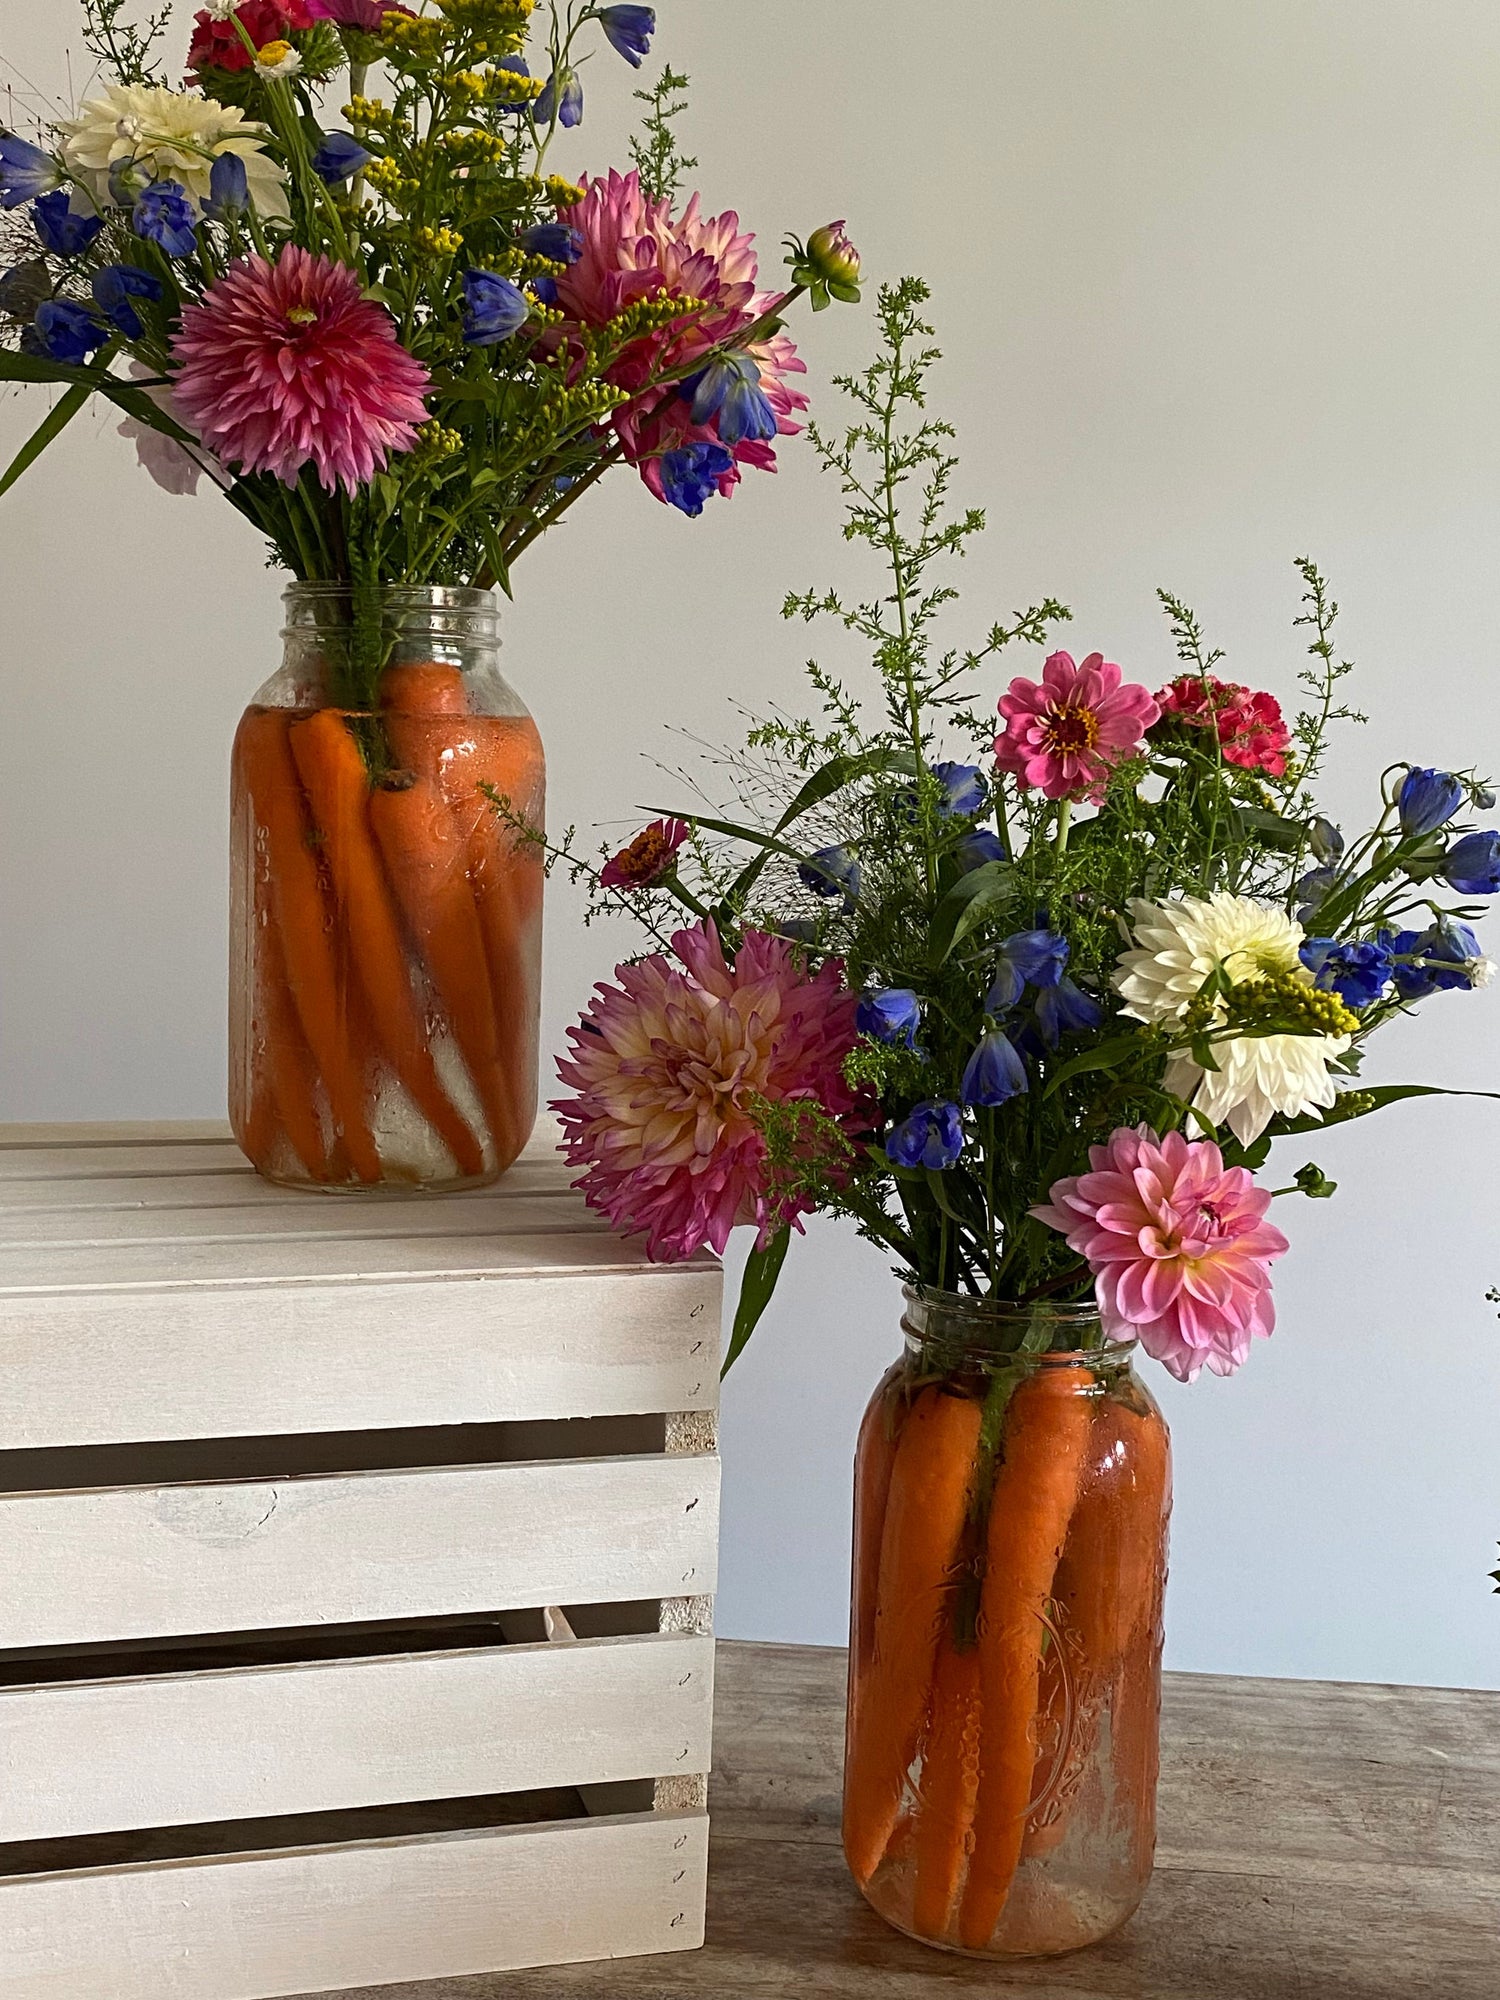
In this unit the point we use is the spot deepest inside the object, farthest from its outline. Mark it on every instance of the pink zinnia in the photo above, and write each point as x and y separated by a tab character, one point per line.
1064	735
650	856
1251	728
1178	1244
666	1068
634	249
289	364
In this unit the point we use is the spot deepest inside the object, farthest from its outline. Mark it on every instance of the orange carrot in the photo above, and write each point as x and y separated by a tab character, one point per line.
302	912
950	1784
424	687
290	1077
924	1522
1036	1488
874	1456
333	771
426	863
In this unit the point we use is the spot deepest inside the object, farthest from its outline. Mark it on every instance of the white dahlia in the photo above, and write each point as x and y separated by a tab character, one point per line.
176	136
1178	945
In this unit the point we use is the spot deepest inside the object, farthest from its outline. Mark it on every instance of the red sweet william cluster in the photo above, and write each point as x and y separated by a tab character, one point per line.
218	44
1252	731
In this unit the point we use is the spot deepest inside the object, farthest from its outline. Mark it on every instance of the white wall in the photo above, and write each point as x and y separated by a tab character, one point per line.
1218	286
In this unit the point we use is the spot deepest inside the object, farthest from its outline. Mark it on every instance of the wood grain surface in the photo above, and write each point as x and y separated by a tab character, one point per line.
1318	1842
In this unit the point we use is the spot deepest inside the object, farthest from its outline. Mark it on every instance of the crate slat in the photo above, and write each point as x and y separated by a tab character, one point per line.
539	1212
83	1195
92	1567
255	1741
315	1919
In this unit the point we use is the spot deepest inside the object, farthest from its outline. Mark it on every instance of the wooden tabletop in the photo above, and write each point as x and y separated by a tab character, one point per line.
1319	1841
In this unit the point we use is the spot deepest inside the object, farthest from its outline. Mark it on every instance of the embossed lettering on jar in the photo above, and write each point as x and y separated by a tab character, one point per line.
1012	1492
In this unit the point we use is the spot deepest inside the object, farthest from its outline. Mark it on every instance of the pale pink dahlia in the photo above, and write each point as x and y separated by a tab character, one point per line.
666	1067
1178	1244
1064	735
289	364
634	249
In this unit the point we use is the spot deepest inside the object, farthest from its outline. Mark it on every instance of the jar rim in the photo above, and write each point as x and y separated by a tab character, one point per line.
976	1323
413	596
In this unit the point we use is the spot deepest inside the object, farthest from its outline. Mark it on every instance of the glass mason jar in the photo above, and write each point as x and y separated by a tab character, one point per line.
1012	1489
386	916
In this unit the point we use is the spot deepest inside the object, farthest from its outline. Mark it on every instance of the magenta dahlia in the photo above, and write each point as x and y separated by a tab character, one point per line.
634	248
285	365
666	1069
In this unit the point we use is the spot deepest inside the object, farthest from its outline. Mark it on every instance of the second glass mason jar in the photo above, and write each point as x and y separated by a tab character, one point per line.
1012	1492
386	912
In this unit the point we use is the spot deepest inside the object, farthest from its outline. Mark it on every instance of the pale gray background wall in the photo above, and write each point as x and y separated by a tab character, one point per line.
1217	285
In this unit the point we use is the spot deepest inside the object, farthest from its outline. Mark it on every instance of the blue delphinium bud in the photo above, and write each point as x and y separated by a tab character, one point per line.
1427	800
691	474
931	1135
59	229
1450	952
964	787
1027	958
67	332
994	1073
494	308
832	871
978	847
228	188
729	389
1325	840
24	288
1312	888
518	66
165	216
25	171
1065	1009
1484	799
1472	864
116	288
890	1014
628	30
1360	974
340	157
558	242
561	98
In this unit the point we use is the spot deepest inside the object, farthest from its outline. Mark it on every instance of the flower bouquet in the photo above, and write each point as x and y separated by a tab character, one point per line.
337	276
1027	987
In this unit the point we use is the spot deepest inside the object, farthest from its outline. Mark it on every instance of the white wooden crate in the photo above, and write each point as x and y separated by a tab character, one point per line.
356	1571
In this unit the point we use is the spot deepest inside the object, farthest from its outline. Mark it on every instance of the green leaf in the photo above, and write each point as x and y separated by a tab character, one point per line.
749	833
1353	1104
841	771
1286	836
762	1269
966	906
1106	1055
52	426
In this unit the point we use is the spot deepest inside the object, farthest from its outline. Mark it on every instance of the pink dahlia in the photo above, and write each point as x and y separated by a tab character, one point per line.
1251	728
288	364
1063	735
666	1069
1179	1246
650	856
633	248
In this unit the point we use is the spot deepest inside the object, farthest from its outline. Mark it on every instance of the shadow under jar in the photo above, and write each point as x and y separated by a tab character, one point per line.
1012	1493
386	917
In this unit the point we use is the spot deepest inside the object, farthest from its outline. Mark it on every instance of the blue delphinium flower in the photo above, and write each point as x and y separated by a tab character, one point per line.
729	389
1065	1009
890	1014
963	786
978	847
67	332
1427	799
116	289
1451	950
1472	864
994	1073
25	171
59	229
562	98
558	242
832	871
228	188
1312	888
931	1135
691	474
494	308
1028	958
629	30
1360	974
165	216
340	157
